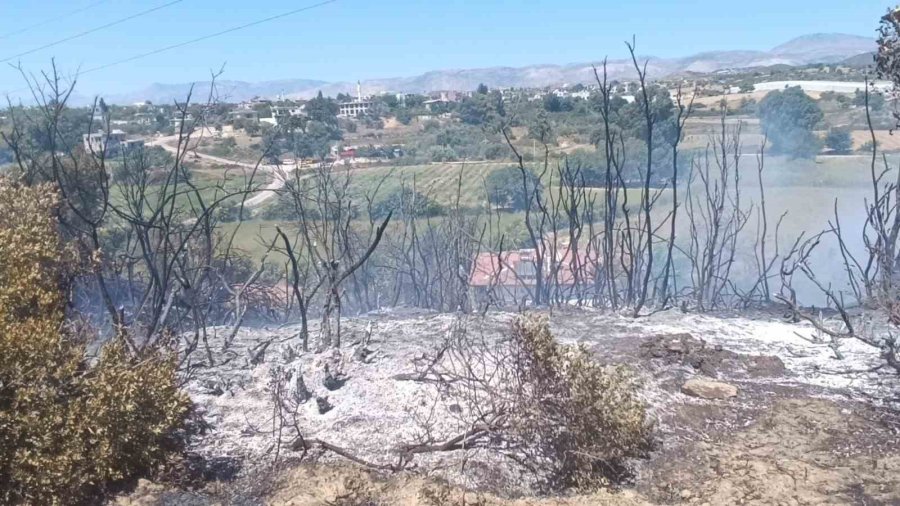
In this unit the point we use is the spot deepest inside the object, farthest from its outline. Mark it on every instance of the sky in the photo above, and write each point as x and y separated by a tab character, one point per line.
349	40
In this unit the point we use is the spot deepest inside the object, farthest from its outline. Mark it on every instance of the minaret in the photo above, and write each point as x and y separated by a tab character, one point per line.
358	91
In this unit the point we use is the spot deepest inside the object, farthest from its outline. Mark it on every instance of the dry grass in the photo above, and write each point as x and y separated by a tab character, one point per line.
885	139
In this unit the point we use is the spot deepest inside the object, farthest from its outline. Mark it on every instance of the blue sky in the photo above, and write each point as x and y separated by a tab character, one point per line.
356	39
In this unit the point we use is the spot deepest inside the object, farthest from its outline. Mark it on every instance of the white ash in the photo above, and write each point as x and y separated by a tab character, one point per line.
373	413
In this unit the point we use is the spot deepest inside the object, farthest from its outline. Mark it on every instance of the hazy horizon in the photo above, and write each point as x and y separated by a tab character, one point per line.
347	40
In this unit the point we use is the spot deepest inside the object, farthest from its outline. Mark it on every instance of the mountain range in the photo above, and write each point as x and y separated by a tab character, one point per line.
807	49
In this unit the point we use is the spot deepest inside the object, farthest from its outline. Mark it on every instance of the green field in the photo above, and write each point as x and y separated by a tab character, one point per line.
438	181
212	185
804	189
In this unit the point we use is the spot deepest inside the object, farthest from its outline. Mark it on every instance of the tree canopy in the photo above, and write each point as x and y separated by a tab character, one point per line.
506	189
788	117
839	140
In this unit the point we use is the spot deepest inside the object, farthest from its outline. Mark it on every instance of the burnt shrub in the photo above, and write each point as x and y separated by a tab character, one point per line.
576	419
551	408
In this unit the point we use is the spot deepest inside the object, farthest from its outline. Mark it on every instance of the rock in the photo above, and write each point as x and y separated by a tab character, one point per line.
323	405
670	345
333	381
710	360
686	494
765	366
212	388
708	389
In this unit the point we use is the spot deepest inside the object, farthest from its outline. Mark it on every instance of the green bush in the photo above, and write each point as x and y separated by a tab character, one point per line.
506	188
69	426
405	202
839	140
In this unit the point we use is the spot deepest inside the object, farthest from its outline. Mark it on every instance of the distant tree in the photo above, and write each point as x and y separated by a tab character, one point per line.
540	129
389	100
887	59
495	152
309	136
868	146
481	109
251	127
322	110
629	117
788	117
506	190
404	116
442	154
748	106
406	202
413	101
315	140
839	140
263	110
843	101
378	110
747	87
555	103
374	123
876	100
482	89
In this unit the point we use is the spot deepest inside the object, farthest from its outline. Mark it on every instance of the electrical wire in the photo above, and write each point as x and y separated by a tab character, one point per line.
195	40
92	30
51	20
206	37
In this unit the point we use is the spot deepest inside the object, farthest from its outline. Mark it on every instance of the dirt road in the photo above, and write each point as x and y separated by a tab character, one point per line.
278	174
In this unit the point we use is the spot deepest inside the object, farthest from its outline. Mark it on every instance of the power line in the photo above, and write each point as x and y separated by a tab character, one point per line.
50	20
209	36
92	30
198	39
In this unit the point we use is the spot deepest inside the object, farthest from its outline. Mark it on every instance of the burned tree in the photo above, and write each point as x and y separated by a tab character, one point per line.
329	247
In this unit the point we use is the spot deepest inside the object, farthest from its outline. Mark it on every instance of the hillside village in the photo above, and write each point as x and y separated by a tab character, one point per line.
381	128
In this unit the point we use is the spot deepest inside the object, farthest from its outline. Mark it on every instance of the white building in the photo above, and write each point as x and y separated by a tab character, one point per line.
177	119
145	118
823	86
283	112
101	143
355	108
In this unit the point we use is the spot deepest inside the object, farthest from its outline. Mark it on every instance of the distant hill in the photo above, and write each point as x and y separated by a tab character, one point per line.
860	60
814	48
229	91
825	47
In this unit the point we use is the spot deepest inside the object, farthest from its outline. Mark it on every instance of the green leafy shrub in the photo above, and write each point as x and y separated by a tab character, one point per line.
69	426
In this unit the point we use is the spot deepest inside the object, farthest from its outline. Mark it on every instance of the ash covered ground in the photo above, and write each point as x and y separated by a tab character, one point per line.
782	373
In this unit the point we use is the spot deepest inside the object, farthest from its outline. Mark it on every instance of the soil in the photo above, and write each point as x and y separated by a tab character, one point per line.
804	428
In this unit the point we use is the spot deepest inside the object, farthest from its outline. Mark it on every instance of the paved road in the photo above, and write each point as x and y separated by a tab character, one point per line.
279	174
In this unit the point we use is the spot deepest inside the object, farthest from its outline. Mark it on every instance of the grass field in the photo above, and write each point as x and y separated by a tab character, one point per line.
804	189
212	184
439	181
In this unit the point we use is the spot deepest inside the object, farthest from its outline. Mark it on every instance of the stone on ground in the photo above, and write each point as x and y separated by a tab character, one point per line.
708	389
